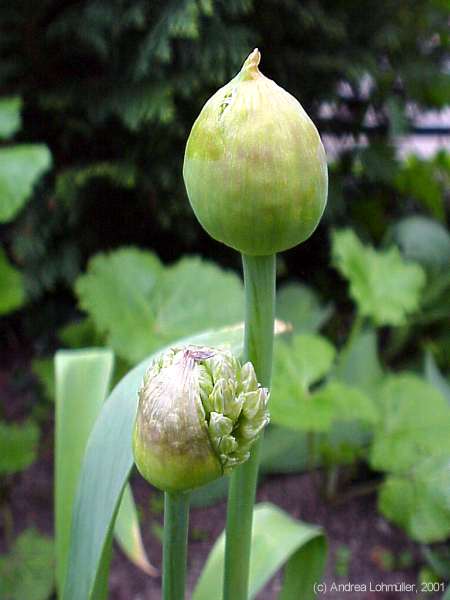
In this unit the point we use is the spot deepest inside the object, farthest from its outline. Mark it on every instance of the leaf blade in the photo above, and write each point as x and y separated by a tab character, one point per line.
276	539
20	168
82	379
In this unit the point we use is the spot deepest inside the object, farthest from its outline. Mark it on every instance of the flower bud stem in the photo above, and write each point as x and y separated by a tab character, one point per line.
259	281
176	523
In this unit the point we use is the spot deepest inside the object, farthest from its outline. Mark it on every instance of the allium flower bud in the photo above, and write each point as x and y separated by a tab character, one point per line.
199	413
255	169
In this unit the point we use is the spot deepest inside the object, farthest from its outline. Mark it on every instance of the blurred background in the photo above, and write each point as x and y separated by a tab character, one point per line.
97	99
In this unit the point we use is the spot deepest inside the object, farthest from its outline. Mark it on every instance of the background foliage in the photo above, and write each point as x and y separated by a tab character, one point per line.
113	87
98	245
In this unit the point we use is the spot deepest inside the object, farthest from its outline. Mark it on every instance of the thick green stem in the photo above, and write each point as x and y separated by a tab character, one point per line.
176	523
259	280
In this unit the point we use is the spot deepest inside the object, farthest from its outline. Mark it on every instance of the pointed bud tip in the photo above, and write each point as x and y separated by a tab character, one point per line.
250	66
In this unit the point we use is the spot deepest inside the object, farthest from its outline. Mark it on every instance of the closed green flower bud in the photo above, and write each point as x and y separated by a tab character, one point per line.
199	413
255	169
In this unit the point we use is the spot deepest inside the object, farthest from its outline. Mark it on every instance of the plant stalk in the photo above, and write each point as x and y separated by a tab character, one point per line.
259	282
176	523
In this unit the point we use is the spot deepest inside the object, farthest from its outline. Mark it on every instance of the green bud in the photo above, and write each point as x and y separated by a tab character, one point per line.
199	414
255	169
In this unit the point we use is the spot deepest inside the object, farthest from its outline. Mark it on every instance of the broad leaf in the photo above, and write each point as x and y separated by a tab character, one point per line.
299	306
142	306
278	541
414	424
12	294
419	500
20	168
358	363
304	361
18	446
424	241
106	467
299	365
27	572
384	286
284	451
116	293
82	381
10	121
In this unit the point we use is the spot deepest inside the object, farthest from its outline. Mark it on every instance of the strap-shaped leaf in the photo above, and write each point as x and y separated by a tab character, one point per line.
106	467
82	382
277	540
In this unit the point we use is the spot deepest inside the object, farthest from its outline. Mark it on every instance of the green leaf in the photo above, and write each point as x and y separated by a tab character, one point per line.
44	371
384	286
358	363
277	540
435	377
194	295
10	121
414	424
141	306
12	295
297	367
80	334
82	381
299	305
115	292
69	182
424	241
419	500
438	559
211	493
304	361
106	467
20	168
128	533
348	403
18	446
27	571
284	451
426	181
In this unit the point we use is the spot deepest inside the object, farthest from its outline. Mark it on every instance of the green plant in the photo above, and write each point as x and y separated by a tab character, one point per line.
21	166
199	413
109	453
82	379
256	176
399	422
18	451
27	571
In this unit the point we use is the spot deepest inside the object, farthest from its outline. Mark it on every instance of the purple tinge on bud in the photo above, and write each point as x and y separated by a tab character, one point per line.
199	413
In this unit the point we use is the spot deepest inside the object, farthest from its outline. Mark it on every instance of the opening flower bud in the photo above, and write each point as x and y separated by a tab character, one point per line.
255	168
199	413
